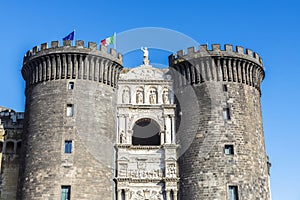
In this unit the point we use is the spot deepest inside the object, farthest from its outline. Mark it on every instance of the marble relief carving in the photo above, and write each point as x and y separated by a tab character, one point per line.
171	170
152	95
165	96
139	96
126	96
144	171
145	194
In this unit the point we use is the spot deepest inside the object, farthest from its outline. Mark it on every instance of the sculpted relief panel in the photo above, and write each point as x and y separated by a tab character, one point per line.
145	73
171	170
145	174
140	96
140	170
149	94
126	95
145	194
152	96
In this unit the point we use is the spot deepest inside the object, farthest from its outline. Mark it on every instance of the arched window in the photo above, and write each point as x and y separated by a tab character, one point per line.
9	147
146	132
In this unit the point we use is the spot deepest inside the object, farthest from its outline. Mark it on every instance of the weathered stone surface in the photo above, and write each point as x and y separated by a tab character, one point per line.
206	171
11	128
89	169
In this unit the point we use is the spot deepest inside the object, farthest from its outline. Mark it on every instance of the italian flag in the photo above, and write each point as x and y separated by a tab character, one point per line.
108	41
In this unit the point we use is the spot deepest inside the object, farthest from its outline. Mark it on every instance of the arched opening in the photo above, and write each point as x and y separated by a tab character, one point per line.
9	147
146	132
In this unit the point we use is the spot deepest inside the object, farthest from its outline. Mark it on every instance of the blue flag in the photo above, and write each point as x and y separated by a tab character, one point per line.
70	36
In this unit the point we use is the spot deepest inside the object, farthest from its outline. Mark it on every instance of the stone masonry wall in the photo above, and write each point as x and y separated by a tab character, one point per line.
11	129
206	87
9	176
205	171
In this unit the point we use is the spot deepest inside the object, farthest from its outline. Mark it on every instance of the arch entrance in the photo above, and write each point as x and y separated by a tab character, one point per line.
146	132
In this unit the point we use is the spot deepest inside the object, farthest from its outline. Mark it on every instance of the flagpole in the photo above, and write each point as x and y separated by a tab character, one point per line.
74	37
115	41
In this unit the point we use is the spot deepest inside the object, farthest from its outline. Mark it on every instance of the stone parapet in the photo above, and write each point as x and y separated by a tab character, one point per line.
216	64
71	62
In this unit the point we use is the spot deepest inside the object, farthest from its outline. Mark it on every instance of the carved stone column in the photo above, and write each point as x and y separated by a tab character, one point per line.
122	127
119	194
175	194
126	124
119	131
127	194
130	132
168	194
168	129
162	137
173	134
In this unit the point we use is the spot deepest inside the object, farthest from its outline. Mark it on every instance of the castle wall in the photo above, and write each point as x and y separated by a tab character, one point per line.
89	168
9	176
11	129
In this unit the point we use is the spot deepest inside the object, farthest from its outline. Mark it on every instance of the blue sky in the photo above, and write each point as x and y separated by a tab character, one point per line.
271	28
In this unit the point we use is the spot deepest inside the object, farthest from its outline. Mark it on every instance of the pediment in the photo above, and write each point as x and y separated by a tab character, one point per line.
144	72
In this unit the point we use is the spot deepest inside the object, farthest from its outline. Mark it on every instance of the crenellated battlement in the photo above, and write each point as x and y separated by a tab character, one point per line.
67	47
44	63
216	64
216	50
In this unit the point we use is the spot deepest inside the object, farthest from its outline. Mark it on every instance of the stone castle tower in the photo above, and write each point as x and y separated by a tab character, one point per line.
95	130
69	128
221	134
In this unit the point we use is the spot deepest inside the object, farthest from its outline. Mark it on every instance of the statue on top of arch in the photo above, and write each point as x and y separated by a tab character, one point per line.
146	55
